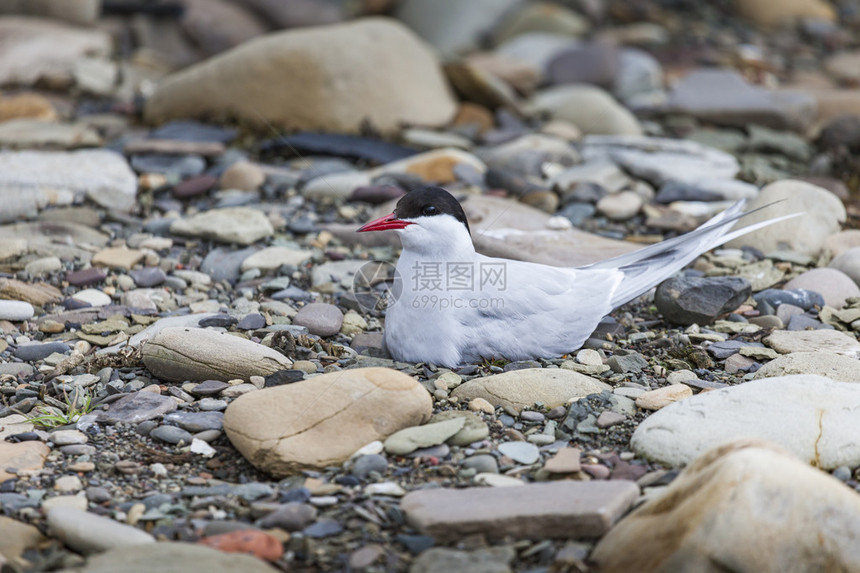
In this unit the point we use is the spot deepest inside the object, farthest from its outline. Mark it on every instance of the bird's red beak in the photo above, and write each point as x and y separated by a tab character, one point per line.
385	223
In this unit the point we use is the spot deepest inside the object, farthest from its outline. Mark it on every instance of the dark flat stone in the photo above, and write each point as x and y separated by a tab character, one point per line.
194	131
86	277
38	350
338	145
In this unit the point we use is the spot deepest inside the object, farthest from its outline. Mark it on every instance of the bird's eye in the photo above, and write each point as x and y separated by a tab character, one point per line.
429	210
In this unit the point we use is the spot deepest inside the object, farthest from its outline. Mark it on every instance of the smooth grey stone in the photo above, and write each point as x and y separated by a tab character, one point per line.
323	528
170	164
628	363
225	264
521	452
196	421
171	435
482	463
136	408
209	388
148	276
804	322
802	298
251	321
186	130
290	517
144	428
33	351
723	349
98	494
252	491
78	450
212	404
363	465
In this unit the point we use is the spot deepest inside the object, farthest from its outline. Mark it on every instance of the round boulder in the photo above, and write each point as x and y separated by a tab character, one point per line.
821	215
322	421
328	78
178	354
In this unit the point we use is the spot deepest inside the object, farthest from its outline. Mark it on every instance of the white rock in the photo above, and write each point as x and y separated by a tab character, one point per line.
497	480
98	174
620	206
588	107
241	225
272	258
660	160
16	310
814	417
822	363
334	186
200	447
92	296
89	533
786	341
43	266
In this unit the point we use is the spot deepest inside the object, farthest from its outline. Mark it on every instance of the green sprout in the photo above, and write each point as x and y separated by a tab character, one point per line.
74	410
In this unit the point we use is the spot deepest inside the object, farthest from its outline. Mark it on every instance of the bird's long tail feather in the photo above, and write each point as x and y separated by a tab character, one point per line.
647	267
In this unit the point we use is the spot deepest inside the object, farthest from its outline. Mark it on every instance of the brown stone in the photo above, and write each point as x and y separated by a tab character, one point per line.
661	397
38	294
566	461
765	13
565	509
475	115
26	105
248	541
118	258
17	537
21	456
323	420
331	78
744	506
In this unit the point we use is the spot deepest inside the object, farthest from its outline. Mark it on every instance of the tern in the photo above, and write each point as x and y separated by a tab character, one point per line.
455	306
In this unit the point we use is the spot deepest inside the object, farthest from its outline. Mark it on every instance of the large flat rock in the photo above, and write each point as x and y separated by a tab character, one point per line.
816	418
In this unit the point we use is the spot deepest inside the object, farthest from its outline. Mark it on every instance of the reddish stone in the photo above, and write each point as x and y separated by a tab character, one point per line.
628	471
194	186
251	541
597	471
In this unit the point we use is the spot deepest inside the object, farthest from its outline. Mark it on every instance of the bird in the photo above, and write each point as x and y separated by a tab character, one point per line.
455	306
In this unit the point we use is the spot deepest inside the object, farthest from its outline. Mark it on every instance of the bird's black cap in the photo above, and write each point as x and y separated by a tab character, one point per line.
427	201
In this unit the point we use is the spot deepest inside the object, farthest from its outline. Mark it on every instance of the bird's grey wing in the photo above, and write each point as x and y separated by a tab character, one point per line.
647	267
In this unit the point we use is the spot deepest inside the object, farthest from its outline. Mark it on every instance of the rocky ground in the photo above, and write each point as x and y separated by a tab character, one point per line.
191	367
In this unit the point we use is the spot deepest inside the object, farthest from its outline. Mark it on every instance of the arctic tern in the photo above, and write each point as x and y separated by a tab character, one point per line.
456	306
